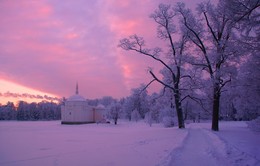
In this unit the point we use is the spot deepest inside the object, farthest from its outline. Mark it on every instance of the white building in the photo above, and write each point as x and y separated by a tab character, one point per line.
77	111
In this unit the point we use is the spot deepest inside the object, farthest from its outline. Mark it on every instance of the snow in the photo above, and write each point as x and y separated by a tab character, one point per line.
128	143
76	97
49	143
255	124
234	145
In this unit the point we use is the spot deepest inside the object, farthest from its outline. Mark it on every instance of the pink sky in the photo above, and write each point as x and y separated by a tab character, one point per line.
49	45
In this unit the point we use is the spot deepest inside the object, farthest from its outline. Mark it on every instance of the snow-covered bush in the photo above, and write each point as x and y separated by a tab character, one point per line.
148	118
168	121
166	112
135	115
255	124
114	112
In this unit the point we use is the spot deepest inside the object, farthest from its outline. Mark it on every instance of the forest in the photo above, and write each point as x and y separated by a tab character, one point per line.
30	111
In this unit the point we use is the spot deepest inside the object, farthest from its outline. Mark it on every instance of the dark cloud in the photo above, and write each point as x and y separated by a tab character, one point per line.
31	96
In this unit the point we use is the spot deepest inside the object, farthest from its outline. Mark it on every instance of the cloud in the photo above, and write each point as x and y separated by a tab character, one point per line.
31	96
49	46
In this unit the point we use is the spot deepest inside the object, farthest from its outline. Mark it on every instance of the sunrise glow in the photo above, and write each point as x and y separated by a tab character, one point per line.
13	92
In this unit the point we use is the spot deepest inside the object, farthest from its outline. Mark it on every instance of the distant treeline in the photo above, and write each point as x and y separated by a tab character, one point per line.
30	111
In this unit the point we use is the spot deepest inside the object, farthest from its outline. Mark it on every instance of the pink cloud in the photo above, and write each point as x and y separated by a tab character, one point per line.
72	35
49	45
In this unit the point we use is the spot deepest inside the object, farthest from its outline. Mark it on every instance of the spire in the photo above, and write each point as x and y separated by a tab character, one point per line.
77	89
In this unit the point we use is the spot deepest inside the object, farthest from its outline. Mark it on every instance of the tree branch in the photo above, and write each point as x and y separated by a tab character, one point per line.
224	83
126	44
186	76
164	88
161	82
147	86
200	45
249	11
197	100
210	28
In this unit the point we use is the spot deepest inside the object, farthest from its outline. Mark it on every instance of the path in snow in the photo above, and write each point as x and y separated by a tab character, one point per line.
197	150
203	147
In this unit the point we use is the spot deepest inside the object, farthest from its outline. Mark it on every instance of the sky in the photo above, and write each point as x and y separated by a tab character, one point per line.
47	46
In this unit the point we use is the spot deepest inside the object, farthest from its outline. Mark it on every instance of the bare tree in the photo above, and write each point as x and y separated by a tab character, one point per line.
164	17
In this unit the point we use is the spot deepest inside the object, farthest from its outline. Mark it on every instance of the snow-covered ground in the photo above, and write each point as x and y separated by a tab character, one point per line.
127	144
235	144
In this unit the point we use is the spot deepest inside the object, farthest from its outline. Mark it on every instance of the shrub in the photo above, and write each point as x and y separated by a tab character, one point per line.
168	121
255	124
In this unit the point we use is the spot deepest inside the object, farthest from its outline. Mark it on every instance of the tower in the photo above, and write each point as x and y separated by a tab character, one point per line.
77	89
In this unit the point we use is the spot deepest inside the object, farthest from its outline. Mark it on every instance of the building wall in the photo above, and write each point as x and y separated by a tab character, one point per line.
99	114
78	112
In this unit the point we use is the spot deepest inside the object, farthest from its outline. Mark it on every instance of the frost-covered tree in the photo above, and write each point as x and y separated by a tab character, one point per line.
174	48
138	100
21	109
128	107
107	100
114	112
154	107
38	111
215	39
34	111
30	111
215	44
148	118
135	115
7	112
140	96
247	89
245	13
93	102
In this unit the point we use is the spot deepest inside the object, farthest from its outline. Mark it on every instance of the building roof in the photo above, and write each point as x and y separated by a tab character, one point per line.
100	106
76	97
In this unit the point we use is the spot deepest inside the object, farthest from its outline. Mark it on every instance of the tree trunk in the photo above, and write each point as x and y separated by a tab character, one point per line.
115	119
179	109
215	114
216	91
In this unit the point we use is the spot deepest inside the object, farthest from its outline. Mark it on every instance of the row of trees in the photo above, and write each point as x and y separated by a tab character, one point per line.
30	111
239	104
203	48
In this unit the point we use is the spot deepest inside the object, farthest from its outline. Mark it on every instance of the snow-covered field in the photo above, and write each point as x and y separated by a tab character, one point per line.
127	144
